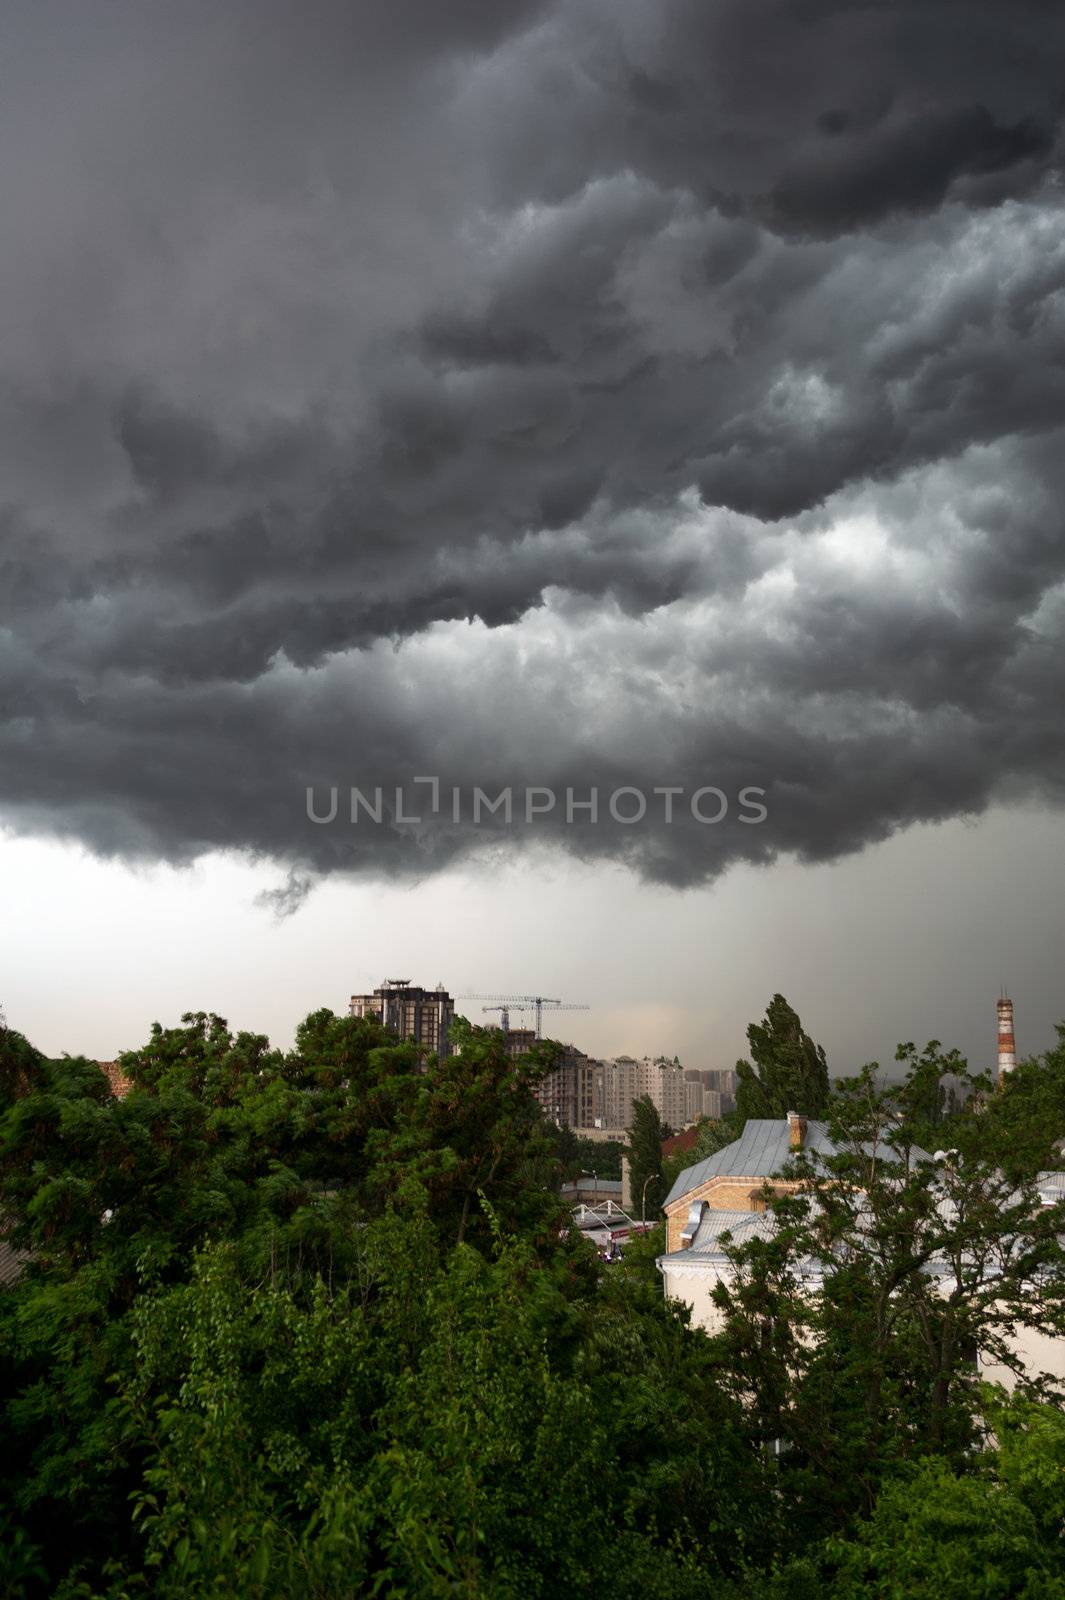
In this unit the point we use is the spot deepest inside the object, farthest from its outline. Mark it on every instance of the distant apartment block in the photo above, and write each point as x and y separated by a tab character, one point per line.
568	1093
520	1041
421	1015
596	1097
582	1093
708	1093
626	1079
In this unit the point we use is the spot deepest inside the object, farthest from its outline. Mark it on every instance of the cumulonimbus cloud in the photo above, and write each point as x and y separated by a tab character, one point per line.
574	396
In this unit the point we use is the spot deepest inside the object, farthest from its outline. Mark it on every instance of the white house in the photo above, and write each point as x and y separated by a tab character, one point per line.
725	1194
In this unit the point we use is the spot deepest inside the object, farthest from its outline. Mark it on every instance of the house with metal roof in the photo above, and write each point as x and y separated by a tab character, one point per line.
721	1200
733	1179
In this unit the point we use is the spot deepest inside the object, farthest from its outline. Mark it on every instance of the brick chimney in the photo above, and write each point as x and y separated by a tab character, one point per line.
796	1130
1007	1050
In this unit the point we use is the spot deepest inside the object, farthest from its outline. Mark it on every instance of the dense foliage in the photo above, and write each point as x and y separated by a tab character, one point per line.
889	1270
646	1133
787	1070
600	1158
314	1323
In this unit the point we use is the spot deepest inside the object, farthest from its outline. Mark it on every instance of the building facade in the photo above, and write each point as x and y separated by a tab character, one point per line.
626	1078
568	1093
597	1097
709	1092
421	1015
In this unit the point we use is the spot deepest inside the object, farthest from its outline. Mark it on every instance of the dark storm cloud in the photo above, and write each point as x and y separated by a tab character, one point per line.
548	394
824	115
905	168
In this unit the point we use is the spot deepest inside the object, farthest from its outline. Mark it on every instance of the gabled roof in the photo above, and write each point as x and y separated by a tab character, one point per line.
762	1149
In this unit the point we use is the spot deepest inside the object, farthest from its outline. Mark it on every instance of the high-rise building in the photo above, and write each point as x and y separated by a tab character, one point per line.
709	1092
568	1092
617	1085
626	1079
421	1015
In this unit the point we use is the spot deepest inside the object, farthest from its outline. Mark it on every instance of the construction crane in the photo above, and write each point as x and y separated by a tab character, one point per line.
504	1016
539	1003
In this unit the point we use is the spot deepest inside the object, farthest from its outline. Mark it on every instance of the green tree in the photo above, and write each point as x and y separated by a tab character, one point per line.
20	1063
431	1431
314	1323
646	1132
603	1157
852	1334
789	1071
937	1534
1028	1110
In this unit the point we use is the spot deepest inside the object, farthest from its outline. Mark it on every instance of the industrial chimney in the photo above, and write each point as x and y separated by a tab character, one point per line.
1007	1050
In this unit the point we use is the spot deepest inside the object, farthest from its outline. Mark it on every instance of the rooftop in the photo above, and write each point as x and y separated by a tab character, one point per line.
742	1226
762	1149
679	1141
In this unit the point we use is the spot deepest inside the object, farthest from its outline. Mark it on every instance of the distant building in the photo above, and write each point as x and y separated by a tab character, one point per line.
592	1190
626	1079
120	1084
421	1015
709	1092
596	1097
724	1191
568	1092
520	1041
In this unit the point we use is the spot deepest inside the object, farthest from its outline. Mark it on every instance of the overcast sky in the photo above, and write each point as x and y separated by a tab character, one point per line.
618	393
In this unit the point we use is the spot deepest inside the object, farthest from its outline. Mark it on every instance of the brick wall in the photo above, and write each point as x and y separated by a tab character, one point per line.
723	1194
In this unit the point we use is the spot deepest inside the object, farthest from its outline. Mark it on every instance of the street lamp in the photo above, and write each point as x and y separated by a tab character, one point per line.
643	1197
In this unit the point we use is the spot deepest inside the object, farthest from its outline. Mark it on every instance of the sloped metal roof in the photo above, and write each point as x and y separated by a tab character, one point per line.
762	1149
707	1247
1051	1186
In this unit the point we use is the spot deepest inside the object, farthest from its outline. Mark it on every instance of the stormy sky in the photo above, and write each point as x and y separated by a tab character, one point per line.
617	393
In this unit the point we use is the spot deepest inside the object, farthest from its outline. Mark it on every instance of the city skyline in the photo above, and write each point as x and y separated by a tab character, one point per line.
210	946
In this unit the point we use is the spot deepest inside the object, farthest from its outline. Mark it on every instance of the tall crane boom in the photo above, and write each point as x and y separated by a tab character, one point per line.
539	1003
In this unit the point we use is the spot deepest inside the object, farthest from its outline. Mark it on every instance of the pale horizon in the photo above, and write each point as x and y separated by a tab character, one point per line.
663	971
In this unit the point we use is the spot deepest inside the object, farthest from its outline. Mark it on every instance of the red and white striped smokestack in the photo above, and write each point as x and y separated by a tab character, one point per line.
1007	1050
